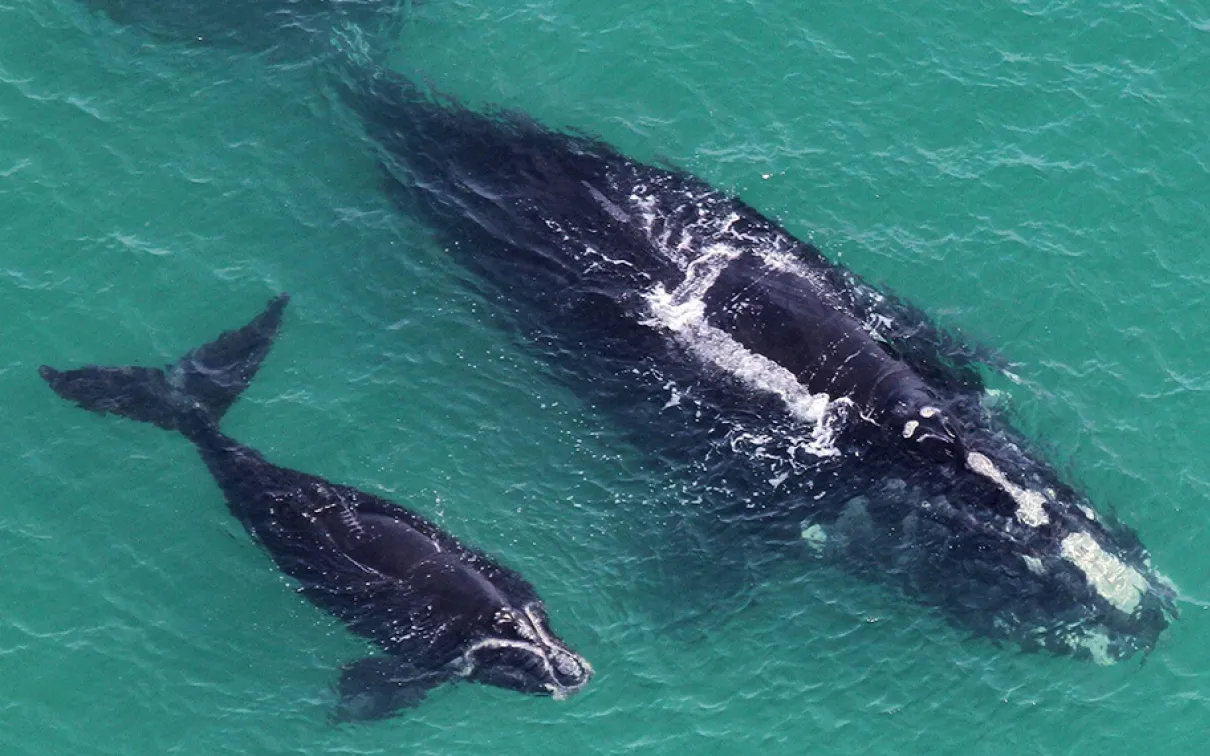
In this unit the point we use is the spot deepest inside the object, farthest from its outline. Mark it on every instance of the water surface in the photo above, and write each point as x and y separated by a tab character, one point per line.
1033	173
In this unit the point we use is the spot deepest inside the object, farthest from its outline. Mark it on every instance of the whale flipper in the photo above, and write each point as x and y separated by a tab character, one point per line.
208	379
378	686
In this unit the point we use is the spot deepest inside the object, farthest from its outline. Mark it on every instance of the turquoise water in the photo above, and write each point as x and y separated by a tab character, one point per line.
1033	173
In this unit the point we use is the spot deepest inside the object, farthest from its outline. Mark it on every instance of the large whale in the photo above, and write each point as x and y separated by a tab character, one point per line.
822	407
440	610
811	405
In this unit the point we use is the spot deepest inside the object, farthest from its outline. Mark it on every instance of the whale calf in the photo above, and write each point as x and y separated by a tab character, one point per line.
440	610
826	410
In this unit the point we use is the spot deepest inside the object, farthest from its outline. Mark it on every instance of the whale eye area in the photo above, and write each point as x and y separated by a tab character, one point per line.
937	427
932	435
505	622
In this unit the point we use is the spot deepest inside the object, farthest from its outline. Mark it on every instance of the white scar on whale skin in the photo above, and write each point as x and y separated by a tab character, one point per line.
1120	584
1034	564
1029	502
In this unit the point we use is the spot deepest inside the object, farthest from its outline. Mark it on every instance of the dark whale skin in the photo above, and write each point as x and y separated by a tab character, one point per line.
440	610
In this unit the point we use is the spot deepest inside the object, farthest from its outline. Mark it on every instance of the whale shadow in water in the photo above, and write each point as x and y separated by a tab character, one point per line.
441	611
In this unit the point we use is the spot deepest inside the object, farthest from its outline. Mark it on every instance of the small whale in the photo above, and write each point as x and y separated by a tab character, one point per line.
441	611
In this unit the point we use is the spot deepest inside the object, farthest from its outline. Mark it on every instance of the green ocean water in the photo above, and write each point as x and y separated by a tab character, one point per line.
1035	174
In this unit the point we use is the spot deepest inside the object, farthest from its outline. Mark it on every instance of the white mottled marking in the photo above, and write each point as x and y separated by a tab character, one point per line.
1033	563
927	412
1029	502
816	538
1096	643
1117	582
909	428
608	205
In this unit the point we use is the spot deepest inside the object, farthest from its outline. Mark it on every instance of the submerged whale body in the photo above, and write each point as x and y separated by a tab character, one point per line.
832	410
288	29
440	610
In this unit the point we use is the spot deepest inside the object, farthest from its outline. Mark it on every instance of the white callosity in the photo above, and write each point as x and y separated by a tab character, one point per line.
1119	583
1029	502
548	652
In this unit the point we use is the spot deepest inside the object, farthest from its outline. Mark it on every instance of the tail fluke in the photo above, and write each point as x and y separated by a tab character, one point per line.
205	382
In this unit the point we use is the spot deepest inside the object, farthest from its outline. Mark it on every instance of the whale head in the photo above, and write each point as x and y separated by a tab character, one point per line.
1000	543
1088	587
520	652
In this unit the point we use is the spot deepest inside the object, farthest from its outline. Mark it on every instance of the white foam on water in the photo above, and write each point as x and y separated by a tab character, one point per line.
682	313
1117	582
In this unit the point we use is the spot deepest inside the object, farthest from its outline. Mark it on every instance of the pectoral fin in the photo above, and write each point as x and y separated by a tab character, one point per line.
378	686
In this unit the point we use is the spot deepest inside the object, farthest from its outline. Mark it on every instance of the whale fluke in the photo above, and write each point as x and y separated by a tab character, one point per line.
203	384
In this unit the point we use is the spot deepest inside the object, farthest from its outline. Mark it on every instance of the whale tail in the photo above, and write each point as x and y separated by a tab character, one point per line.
196	390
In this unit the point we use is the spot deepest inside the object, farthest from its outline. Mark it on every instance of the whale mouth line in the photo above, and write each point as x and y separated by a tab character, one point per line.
553	668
